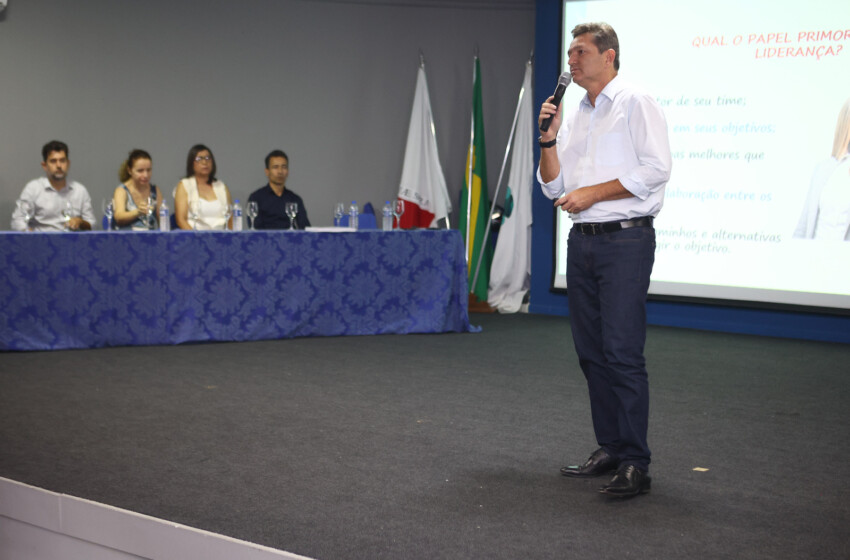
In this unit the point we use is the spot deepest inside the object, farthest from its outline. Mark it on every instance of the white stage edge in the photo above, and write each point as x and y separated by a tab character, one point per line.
36	524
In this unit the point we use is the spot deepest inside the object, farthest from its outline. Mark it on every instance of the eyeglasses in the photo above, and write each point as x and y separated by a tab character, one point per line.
203	158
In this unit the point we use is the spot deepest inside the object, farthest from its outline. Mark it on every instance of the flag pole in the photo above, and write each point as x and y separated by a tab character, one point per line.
501	175
469	159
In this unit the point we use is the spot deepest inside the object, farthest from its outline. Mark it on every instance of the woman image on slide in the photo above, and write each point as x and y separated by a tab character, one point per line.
133	197
826	214
200	200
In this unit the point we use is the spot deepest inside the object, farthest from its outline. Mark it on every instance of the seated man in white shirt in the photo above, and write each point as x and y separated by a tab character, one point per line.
57	203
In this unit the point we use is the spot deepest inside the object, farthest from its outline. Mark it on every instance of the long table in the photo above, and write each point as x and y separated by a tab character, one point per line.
93	289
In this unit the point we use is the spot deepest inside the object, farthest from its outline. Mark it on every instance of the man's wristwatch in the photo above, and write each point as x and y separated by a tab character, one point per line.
548	144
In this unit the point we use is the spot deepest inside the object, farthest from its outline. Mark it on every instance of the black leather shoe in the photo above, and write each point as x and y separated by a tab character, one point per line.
598	464
629	481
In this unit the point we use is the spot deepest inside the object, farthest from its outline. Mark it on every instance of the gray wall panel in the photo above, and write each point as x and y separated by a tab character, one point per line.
331	83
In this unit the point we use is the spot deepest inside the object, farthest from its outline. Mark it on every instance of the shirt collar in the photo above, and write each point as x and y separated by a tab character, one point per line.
610	91
271	190
69	185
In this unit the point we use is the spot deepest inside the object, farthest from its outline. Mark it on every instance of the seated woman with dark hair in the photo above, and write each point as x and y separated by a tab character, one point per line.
133	196
200	200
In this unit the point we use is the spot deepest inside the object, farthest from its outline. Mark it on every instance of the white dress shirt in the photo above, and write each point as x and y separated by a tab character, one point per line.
48	204
623	137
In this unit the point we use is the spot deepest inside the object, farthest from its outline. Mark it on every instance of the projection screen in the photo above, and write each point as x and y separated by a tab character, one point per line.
758	206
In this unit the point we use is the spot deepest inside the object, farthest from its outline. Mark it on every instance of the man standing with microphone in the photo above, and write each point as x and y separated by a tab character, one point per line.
606	162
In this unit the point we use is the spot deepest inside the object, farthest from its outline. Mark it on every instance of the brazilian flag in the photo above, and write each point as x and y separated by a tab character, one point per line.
479	201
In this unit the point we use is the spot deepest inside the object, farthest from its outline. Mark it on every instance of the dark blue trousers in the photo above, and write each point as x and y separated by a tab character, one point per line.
607	282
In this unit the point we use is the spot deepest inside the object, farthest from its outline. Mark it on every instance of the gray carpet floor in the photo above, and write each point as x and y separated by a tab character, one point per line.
444	446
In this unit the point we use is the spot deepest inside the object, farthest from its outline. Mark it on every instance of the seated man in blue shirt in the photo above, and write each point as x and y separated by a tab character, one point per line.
271	199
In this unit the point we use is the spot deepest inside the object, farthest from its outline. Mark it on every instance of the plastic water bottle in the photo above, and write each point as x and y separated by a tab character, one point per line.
388	216
164	223
353	215
237	216
108	212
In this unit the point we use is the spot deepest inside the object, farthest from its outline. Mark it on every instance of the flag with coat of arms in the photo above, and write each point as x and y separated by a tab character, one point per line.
423	185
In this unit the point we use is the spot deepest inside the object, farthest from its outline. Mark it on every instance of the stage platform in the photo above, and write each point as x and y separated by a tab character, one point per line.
37	524
435	446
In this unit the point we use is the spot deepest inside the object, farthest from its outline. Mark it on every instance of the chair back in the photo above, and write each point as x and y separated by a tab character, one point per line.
367	221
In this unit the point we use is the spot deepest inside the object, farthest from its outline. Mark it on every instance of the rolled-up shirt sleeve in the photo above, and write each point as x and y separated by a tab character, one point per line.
648	130
555	188
29	194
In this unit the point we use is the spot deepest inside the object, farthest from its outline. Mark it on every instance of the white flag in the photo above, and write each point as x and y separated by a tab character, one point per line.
423	185
510	274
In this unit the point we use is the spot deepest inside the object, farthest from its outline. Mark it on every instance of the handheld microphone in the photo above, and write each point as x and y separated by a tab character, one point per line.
563	82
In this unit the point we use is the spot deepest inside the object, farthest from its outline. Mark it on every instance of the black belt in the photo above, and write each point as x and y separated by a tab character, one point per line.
611	227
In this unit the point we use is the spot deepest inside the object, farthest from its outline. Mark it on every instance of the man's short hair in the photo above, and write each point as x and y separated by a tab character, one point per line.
53	146
604	37
276	153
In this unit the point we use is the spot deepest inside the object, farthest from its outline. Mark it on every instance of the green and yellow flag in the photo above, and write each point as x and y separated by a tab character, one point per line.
476	197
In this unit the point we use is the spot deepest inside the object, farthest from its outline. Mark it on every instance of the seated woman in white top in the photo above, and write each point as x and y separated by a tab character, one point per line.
131	197
201	201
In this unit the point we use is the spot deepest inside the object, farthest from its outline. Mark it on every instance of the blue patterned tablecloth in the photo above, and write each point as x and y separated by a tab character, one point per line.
86	290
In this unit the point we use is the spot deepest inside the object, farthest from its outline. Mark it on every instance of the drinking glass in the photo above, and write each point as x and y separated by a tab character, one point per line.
398	210
253	212
108	211
149	213
27	210
67	214
291	211
226	211
339	212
